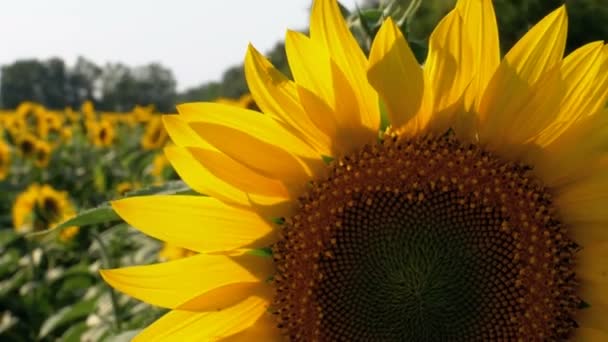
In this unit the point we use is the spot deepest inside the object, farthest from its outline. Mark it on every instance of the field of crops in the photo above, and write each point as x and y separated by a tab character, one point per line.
53	165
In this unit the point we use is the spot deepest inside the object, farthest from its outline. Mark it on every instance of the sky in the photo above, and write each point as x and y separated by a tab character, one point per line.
197	39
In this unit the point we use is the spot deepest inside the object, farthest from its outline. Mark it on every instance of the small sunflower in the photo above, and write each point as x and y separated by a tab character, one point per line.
102	133
5	159
155	135
40	207
480	214
124	187
42	153
26	144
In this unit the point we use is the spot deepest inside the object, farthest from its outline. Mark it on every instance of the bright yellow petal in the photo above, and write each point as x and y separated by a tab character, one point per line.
253	139
241	177
327	27
278	96
583	94
197	223
449	66
395	74
182	326
264	329
201	179
576	154
174	283
181	134
310	66
541	48
480	24
531	65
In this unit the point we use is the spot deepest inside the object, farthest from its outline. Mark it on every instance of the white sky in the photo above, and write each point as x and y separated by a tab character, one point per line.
197	39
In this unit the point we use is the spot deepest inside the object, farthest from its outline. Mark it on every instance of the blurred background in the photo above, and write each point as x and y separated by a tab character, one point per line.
119	54
83	85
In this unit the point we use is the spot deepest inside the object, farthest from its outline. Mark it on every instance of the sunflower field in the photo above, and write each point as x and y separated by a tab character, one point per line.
394	172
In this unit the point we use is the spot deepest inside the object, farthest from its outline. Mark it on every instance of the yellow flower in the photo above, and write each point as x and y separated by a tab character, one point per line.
68	233
40	207
102	133
16	126
42	153
158	164
5	159
479	215
88	110
123	187
172	252
155	135
23	209
26	144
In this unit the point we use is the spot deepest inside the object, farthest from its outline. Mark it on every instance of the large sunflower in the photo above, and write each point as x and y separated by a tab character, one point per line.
479	215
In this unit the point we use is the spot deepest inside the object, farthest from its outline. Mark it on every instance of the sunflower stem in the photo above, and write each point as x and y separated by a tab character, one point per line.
107	263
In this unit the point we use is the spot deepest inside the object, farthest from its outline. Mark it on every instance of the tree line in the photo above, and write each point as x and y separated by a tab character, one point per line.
117	87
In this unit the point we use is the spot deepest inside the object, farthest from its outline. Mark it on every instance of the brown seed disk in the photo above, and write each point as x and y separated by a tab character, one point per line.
425	239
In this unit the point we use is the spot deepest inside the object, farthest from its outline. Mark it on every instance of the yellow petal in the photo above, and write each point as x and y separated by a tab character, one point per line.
593	317
590	335
173	283
584	201
584	95
574	154
241	177
395	74
480	23
448	67
197	223
181	134
541	48
345	139
182	326
327	27
526	114
278	97
264	329
201	179
528	63
592	269
252	139
310	66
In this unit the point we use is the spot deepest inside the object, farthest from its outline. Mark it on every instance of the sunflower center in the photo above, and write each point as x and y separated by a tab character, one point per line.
425	239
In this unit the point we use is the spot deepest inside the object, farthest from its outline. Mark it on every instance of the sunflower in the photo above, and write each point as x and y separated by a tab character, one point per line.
41	207
124	187
26	144
42	153
102	133
478	215
155	135
5	159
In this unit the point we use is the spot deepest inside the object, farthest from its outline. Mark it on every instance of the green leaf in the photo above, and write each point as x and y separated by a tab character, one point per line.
102	214
8	236
169	188
74	332
67	315
124	336
265	252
